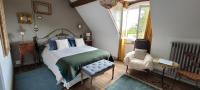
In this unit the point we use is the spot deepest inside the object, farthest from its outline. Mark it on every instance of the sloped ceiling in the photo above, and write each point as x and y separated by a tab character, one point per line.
99	20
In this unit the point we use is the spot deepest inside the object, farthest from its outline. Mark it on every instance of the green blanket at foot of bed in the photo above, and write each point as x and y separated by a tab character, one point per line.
70	66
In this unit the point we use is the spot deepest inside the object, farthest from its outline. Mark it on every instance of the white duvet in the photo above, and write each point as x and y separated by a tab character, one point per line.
51	57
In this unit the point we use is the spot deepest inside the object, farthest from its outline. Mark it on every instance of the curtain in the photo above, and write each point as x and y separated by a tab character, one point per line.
3	33
122	41
148	31
121	52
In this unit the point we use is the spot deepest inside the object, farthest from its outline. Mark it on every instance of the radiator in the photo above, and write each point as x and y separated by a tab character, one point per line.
187	55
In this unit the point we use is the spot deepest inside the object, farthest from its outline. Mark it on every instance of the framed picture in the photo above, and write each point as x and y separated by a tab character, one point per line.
41	7
24	18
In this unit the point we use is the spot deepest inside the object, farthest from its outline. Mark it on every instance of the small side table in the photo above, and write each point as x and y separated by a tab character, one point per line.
88	42
165	64
25	48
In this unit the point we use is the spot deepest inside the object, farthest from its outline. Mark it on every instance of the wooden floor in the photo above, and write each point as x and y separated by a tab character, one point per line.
101	81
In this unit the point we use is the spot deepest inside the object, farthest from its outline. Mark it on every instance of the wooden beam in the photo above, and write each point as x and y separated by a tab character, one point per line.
80	2
137	1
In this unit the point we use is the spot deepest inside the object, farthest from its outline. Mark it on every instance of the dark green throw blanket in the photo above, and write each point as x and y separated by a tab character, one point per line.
70	66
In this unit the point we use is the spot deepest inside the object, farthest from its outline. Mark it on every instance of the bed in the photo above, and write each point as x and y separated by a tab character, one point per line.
65	64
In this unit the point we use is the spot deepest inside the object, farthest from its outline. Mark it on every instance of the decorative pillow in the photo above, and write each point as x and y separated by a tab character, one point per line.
62	44
79	42
52	45
72	42
140	53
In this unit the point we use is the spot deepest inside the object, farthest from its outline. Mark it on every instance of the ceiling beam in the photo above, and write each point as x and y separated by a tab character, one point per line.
80	2
137	1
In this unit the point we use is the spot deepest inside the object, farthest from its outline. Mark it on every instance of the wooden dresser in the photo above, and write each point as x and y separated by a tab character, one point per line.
27	48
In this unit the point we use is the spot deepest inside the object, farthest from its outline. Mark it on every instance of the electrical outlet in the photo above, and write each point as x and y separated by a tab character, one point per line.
17	62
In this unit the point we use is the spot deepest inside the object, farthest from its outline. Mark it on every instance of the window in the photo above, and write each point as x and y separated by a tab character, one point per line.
135	20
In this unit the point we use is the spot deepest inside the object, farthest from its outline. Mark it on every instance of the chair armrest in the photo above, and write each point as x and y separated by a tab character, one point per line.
148	58
129	56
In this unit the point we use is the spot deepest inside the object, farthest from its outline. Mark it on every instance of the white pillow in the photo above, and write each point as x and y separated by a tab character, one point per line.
62	44
79	42
140	53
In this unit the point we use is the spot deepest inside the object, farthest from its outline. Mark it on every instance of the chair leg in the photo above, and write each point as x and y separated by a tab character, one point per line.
91	82
127	69
81	77
113	71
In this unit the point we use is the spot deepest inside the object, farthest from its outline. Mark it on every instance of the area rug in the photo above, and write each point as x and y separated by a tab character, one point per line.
126	82
38	79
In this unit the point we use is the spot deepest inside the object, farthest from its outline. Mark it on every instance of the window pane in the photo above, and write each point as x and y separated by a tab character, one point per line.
144	11
132	23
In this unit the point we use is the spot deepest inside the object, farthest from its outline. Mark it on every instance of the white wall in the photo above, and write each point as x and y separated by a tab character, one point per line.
6	71
98	19
174	20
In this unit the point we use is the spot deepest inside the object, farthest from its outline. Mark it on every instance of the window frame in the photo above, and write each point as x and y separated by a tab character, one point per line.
137	30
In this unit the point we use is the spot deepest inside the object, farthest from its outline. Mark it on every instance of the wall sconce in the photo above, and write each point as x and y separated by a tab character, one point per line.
79	26
24	18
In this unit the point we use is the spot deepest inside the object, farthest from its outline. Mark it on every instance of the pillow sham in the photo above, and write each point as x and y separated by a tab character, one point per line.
52	45
72	42
140	53
62	44
79	42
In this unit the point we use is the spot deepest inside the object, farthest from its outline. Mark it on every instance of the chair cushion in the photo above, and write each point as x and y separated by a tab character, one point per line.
140	53
96	67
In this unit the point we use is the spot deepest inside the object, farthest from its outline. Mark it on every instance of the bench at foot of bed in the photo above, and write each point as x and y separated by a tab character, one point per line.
97	68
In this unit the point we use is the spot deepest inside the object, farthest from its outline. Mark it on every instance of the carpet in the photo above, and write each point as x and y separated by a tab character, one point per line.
126	82
38	79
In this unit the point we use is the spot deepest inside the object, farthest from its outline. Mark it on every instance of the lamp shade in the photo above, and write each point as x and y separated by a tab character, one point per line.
108	3
88	34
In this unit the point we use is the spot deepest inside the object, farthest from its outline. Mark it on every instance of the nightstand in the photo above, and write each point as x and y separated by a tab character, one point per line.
27	48
88	42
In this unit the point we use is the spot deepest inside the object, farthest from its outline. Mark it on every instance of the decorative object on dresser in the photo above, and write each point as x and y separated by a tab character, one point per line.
41	7
24	18
27	48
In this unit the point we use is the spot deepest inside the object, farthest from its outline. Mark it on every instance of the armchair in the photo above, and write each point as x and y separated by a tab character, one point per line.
142	65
